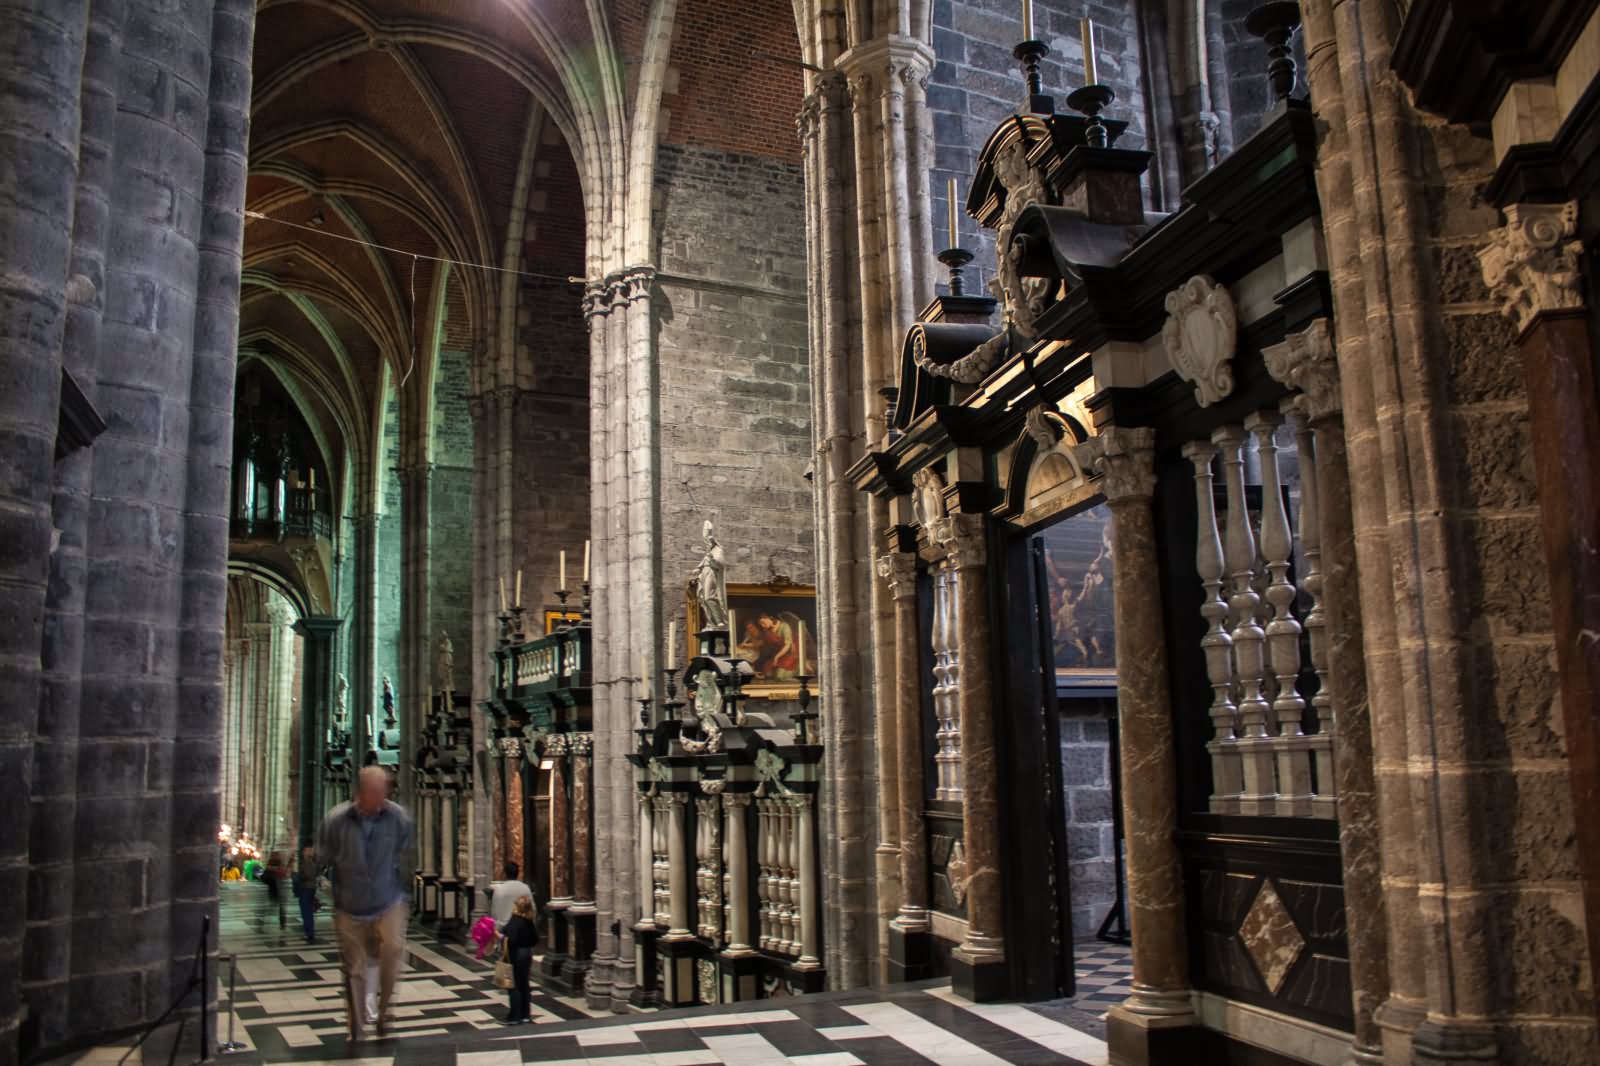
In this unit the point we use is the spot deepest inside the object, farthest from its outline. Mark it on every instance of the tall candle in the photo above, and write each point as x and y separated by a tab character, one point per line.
733	632
1027	20
585	562
644	677
563	568
802	655
672	643
502	595
955	238
313	479
518	600
1091	76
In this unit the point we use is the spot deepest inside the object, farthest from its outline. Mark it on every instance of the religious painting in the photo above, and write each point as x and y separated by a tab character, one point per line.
560	618
1078	577
773	626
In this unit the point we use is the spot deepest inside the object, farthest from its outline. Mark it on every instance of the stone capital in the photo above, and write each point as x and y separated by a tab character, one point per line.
964	539
899	569
555	744
1125	460
1531	263
1305	361
736	799
581	743
883	66
596	301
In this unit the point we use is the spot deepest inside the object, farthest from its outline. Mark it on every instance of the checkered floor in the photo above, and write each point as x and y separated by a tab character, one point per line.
288	1008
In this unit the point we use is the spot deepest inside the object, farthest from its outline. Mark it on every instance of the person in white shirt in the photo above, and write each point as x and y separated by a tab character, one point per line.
505	896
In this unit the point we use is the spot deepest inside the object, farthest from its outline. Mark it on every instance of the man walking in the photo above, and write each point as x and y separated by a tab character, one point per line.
363	843
504	896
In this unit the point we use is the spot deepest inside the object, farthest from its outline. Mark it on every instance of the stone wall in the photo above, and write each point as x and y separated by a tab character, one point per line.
450	504
1086	790
551	481
977	82
734	392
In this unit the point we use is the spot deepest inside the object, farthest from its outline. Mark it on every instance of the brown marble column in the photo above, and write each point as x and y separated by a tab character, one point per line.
1532	266
978	968
1306	362
514	803
582	828
899	569
1125	461
555	749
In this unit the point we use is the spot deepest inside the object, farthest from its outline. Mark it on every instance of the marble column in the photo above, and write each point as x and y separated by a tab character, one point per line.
581	827
978	965
737	843
1306	362
908	944
1532	266
555	749
681	883
807	872
1160	999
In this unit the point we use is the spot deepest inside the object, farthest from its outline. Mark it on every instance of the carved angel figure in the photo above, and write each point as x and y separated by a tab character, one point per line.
1025	298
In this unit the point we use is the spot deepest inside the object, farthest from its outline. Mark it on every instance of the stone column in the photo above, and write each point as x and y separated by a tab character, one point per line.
909	959
978	965
738	851
1532	266
807	872
364	690
1124	459
1306	362
316	693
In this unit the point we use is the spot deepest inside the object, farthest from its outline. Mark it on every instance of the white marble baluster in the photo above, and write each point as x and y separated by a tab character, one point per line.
764	841
1227	773
943	760
647	860
1249	658
1283	631
1324	802
809	874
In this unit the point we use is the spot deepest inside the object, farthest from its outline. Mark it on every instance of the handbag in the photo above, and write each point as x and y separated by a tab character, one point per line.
503	977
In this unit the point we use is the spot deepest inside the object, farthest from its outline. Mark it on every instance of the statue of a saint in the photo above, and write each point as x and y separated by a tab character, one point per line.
388	702
342	701
711	583
444	664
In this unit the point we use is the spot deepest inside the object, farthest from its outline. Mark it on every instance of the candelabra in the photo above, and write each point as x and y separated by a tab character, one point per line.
505	627
518	633
1031	54
805	716
673	705
955	259
1090	101
733	693
587	592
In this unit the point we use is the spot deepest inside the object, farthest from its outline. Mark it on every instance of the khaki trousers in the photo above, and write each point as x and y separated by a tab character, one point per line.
384	939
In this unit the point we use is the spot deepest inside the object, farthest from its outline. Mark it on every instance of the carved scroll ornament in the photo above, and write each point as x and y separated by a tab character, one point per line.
1531	264
1201	331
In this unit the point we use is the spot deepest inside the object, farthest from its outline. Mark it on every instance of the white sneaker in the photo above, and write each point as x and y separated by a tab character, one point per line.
372	1010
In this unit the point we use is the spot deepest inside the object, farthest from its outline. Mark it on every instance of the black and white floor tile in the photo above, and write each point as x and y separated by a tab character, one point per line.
288	1008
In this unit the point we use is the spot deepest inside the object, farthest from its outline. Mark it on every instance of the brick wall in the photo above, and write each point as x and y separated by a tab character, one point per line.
734	83
732	346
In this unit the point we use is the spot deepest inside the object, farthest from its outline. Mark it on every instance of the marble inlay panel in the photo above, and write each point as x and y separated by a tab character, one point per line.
1270	936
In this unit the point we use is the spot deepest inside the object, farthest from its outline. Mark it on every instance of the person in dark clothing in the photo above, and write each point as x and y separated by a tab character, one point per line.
305	890
521	937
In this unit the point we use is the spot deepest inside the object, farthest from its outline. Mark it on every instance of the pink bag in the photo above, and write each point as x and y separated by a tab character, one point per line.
483	934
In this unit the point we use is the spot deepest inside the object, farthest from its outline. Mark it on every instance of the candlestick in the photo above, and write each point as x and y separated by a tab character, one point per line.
585	562
1091	74
518	600
955	239
563	568
502	595
672	643
1027	20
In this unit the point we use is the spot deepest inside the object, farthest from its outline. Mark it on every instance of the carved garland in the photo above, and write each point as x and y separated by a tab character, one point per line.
970	368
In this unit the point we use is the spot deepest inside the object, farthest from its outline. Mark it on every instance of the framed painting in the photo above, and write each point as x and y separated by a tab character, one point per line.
773	626
555	618
1078	576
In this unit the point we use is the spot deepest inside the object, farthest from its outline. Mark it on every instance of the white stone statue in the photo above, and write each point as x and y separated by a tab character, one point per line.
342	701
711	583
444	664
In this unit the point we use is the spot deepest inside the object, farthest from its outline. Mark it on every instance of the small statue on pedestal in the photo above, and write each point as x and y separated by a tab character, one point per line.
711	582
444	665
341	706
388	702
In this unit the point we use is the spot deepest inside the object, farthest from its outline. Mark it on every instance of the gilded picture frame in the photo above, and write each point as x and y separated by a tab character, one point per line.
772	619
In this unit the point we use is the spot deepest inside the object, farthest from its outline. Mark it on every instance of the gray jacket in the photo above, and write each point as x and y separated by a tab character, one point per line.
365	882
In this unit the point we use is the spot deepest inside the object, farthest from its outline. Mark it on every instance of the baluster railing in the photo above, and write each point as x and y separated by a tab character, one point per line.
1324	801
946	685
1283	630
1249	641
661	866
1227	772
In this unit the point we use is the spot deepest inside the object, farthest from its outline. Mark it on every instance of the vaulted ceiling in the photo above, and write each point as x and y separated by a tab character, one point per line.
386	137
